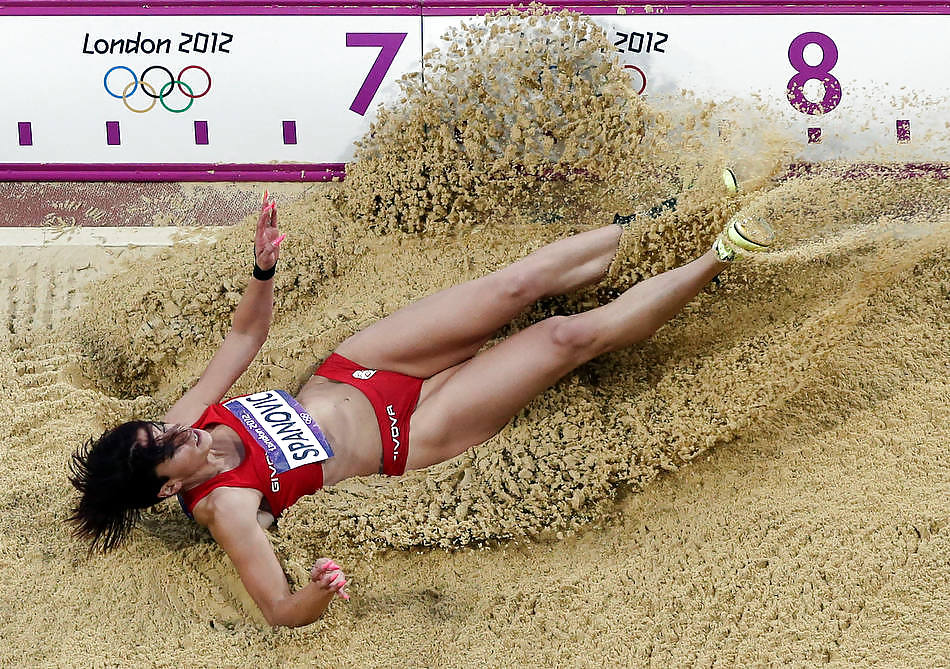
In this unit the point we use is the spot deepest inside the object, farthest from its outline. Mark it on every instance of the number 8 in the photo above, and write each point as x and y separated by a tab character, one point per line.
806	72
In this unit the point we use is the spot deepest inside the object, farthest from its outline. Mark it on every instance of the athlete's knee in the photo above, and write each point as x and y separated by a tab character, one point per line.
520	283
578	336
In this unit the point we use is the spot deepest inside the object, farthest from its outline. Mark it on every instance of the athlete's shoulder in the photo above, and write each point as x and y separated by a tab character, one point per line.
186	411
227	504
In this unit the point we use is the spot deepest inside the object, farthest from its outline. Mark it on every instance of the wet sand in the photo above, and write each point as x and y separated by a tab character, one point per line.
765	481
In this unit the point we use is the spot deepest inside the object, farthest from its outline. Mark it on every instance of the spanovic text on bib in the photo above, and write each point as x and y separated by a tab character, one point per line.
288	434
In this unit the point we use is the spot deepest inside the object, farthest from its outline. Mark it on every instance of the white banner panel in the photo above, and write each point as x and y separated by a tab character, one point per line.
246	90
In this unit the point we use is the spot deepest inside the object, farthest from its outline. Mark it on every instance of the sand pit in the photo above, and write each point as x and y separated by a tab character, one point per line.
763	482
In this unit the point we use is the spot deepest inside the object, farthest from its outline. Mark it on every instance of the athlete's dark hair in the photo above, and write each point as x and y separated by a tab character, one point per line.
116	479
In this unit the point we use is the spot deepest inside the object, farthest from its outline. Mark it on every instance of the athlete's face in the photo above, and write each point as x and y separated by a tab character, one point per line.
189	451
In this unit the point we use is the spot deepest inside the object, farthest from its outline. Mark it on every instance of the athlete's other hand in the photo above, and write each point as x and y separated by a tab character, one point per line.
268	238
329	575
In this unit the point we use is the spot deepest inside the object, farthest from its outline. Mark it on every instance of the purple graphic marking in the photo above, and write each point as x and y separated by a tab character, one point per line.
822	72
112	133
903	131
290	132
201	132
447	7
389	43
25	130
814	135
714	7
218	8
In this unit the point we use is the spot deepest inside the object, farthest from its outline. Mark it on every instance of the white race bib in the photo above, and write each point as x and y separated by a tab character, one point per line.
288	434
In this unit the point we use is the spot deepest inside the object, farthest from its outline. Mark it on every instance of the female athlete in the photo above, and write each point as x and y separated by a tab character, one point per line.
411	390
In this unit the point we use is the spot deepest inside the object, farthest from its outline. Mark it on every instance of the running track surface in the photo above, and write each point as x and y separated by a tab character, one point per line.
110	204
143	204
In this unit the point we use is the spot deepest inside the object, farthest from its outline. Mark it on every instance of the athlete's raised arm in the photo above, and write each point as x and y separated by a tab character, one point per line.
249	326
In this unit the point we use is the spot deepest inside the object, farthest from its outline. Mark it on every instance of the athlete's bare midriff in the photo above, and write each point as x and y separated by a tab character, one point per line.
346	417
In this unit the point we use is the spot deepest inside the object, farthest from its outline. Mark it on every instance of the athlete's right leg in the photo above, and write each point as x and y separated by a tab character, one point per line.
448	327
466	405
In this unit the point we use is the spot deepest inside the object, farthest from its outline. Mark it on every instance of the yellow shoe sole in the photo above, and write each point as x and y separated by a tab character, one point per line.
750	234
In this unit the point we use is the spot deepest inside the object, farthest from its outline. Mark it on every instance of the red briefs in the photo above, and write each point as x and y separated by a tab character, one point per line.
394	397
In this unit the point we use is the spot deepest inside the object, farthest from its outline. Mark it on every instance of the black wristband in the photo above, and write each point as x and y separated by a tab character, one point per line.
264	274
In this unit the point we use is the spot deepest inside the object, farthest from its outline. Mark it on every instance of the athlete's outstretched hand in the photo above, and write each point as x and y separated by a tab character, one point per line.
268	238
329	575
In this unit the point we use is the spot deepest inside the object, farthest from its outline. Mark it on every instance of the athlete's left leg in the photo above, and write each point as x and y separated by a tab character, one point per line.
467	404
450	326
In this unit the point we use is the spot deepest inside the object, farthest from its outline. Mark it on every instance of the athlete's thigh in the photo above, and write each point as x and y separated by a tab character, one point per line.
440	330
467	405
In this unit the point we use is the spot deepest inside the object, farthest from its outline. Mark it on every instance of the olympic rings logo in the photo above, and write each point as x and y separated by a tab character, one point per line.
643	77
163	92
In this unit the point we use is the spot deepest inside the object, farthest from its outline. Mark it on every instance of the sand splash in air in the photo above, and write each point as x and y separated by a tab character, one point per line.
802	404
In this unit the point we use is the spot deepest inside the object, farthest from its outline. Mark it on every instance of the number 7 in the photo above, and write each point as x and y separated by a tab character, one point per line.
390	43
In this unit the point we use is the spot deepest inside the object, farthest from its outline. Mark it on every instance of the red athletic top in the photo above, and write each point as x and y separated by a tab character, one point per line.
255	470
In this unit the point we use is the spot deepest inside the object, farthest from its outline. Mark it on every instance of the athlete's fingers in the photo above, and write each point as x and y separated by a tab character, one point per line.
266	216
266	209
319	567
263	224
323	570
330	578
272	213
267	245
